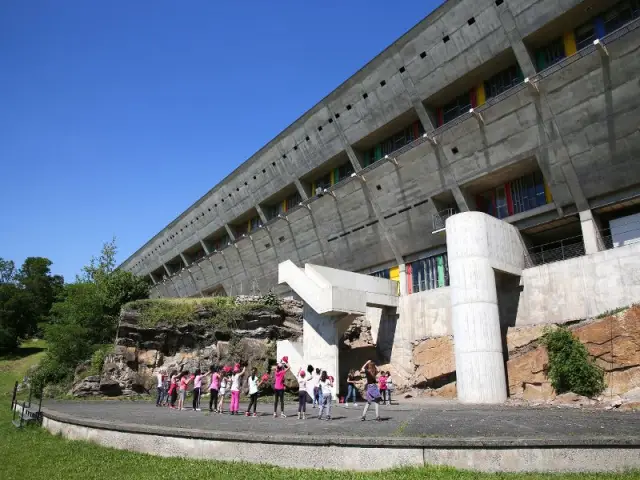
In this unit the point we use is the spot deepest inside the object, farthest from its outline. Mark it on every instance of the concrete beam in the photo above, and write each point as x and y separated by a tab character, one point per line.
353	158
590	232
515	39
232	236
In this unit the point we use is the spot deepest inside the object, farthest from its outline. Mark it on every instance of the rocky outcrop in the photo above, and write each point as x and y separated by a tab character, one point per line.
435	362
613	341
358	334
141	350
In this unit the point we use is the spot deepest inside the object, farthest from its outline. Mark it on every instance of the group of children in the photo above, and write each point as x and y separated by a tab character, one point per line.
228	381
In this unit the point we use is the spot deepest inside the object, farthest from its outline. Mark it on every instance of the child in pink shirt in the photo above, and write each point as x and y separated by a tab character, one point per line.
278	387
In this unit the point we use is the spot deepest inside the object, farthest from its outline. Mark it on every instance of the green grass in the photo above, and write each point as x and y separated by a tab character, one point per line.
34	454
220	311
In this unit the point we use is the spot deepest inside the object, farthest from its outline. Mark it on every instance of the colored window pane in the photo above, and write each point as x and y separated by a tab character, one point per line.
429	273
550	54
503	81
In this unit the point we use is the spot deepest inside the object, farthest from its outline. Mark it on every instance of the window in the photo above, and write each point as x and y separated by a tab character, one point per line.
585	35
292	201
429	273
503	81
254	223
322	182
620	15
517	196
550	54
220	243
342	172
459	106
393	143
381	274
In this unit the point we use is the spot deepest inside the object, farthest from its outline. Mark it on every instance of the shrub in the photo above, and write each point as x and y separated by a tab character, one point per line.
270	299
98	358
220	311
571	369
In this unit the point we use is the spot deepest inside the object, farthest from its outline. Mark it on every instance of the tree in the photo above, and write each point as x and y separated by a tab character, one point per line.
37	281
26	296
7	270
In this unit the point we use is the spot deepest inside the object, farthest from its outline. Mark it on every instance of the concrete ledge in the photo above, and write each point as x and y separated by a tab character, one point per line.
356	453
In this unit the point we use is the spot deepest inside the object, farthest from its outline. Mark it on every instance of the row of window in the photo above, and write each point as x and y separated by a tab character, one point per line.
517	196
425	274
583	36
494	86
332	177
393	143
283	207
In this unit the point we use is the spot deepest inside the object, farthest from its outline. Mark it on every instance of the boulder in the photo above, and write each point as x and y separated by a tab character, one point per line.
614	342
358	334
571	399
434	359
88	386
519	337
446	391
526	373
149	358
110	388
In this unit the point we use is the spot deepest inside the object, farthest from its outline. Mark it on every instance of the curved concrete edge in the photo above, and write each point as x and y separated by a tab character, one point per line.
296	451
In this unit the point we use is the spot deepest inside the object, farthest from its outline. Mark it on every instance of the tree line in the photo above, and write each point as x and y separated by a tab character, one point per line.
75	318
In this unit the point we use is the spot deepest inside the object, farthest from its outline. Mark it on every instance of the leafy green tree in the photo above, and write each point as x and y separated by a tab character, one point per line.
86	314
26	297
7	271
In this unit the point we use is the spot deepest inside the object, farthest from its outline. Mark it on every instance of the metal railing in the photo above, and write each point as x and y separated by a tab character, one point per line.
440	218
557	251
625	235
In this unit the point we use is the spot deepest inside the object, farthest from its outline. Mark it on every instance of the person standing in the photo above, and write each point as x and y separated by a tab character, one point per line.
302	395
214	387
382	386
316	388
372	392
173	389
197	390
185	380
160	386
224	384
254	383
236	382
326	387
278	387
390	388
351	388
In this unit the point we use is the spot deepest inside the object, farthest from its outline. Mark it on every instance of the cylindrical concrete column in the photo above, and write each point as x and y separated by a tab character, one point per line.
475	317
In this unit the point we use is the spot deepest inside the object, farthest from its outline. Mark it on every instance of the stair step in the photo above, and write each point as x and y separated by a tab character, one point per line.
16	423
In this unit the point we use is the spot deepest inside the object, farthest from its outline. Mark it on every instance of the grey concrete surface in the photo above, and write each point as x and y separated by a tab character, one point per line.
435	423
486	439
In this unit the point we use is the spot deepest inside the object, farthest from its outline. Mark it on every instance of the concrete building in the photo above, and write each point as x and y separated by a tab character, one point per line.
525	110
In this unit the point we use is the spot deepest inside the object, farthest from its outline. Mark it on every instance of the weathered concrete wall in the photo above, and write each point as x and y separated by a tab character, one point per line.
581	287
581	130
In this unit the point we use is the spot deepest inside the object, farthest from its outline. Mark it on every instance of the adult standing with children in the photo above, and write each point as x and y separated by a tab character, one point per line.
371	392
278	386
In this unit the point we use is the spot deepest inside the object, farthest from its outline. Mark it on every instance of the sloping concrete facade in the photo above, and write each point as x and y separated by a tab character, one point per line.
575	122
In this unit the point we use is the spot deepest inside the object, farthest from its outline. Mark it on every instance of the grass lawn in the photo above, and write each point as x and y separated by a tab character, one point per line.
34	454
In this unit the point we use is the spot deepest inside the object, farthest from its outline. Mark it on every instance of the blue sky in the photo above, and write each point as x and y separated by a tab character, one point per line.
116	116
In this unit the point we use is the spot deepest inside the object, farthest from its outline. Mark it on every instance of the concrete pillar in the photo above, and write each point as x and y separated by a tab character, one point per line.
166	269
404	290
232	236
320	338
185	260
153	280
590	232
476	244
204	247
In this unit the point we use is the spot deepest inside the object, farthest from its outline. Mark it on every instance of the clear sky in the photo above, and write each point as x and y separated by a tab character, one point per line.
116	116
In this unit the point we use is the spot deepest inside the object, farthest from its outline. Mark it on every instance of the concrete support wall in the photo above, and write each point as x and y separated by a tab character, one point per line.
321	335
590	232
580	288
478	243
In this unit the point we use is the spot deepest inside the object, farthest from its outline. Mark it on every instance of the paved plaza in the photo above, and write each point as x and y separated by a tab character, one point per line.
435	420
